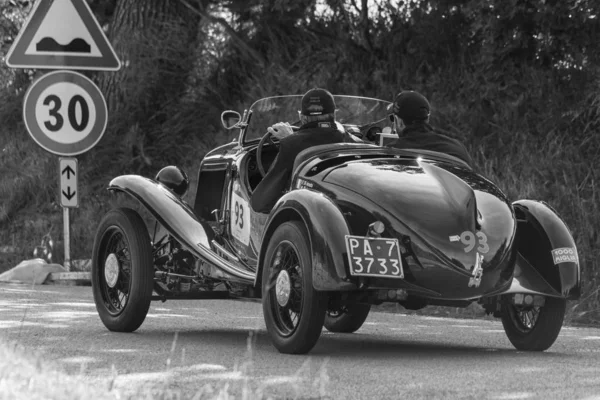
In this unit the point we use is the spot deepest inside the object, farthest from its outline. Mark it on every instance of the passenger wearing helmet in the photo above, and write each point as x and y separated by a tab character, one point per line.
410	114
318	126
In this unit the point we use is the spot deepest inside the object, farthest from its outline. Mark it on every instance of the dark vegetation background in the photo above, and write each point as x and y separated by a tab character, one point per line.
517	80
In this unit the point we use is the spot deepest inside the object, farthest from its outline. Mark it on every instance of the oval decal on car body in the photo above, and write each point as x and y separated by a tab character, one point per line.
240	219
304	184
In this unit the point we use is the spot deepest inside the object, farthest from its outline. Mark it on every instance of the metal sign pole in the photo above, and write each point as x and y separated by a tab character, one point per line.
67	238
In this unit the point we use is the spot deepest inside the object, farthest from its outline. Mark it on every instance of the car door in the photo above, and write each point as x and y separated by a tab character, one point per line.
245	225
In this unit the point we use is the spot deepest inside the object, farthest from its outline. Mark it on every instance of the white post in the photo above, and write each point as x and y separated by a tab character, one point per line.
67	238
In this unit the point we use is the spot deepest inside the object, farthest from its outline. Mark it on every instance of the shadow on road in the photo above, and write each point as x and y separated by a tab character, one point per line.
346	345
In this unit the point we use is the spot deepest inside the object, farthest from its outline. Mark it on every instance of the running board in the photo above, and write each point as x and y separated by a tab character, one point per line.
207	295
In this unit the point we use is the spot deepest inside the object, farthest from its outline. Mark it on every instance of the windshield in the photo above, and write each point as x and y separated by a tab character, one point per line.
356	114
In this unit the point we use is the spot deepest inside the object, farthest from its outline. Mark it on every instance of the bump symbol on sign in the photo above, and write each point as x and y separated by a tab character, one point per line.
48	41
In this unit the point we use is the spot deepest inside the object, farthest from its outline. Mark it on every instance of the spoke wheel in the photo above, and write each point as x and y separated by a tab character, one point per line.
116	285
122	271
533	328
294	312
348	319
524	319
287	306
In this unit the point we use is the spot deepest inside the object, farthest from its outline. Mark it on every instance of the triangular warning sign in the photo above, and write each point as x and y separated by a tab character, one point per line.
62	34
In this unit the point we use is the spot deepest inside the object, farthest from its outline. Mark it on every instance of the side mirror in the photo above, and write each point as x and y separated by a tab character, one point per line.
230	119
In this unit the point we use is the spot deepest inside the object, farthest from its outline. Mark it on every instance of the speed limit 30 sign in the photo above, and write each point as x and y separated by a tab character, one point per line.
65	113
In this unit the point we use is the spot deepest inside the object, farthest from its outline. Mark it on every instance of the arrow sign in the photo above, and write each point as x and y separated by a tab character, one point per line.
69	195
68	182
68	170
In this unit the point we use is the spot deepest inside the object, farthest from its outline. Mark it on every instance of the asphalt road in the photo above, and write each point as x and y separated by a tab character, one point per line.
194	347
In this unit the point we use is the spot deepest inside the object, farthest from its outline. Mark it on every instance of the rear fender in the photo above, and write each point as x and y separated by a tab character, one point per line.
527	280
548	257
179	219
326	228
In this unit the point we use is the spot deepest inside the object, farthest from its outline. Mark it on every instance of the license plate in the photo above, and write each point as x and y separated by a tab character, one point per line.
378	257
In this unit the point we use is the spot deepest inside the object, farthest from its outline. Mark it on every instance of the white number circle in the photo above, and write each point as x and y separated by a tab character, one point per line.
65	112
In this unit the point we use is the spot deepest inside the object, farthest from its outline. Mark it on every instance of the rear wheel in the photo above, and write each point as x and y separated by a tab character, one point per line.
293	310
122	270
348	319
533	328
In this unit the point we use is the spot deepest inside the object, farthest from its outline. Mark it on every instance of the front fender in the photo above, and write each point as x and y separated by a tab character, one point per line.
541	234
326	228
178	218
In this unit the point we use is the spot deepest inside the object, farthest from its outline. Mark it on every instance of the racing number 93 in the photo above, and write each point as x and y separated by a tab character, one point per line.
239	215
470	240
240	219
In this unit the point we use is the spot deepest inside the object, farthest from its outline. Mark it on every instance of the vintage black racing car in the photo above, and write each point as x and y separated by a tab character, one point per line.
361	224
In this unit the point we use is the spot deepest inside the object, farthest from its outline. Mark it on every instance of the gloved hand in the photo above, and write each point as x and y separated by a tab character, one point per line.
280	130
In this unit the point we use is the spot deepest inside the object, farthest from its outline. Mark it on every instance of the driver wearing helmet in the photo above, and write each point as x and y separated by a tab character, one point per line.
318	126
411	122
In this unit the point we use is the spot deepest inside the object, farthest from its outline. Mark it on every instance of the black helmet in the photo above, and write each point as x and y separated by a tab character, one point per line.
411	106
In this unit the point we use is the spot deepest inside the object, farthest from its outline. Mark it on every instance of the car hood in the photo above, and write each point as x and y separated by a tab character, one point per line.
412	191
432	204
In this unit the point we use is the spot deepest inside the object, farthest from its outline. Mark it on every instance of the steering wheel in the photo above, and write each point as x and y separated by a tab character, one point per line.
267	136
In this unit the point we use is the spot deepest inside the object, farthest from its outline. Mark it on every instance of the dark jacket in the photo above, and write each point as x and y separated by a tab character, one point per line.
271	188
422	136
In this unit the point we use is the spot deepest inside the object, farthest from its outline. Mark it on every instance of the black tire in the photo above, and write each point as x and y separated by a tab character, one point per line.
295	326
122	243
534	328
348	320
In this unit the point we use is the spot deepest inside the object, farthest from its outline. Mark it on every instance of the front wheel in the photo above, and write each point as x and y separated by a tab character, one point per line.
122	270
533	328
294	312
348	319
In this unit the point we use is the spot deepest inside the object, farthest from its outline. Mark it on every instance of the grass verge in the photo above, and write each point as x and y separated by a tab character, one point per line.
25	376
